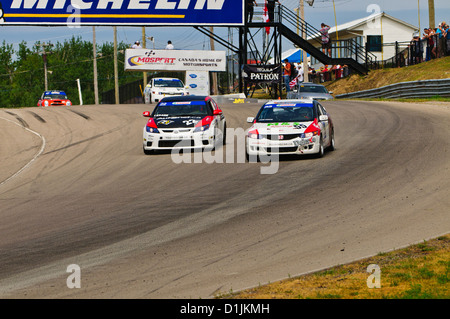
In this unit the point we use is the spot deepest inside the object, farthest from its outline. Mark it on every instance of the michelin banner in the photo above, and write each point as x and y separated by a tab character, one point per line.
174	60
122	12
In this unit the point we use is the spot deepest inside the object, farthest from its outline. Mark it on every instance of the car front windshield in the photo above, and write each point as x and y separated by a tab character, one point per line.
174	109
312	89
55	97
168	83
272	113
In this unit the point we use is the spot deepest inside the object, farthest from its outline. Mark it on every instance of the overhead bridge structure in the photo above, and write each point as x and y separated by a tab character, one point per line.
289	25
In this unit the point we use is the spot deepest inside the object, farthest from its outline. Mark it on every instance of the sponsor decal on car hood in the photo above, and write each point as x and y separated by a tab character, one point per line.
283	127
177	121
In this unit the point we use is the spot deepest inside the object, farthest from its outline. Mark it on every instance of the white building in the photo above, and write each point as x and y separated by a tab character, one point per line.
379	31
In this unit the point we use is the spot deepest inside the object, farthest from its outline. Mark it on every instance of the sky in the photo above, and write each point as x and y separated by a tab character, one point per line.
188	38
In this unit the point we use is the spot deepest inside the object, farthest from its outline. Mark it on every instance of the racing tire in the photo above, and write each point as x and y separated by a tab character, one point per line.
147	152
251	158
332	145
321	148
224	133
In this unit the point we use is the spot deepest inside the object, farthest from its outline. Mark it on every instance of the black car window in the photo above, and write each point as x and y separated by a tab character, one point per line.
272	114
182	108
312	89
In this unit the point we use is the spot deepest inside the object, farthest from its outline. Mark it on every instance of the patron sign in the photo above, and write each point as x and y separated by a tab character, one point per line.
261	73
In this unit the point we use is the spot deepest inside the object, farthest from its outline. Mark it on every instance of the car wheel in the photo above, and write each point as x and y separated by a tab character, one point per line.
321	148
332	146
147	152
224	133
251	158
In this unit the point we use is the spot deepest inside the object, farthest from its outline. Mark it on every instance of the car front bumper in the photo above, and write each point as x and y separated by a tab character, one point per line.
182	140
298	146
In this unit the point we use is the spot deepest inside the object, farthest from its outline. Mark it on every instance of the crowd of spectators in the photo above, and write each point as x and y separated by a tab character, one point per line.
323	74
433	44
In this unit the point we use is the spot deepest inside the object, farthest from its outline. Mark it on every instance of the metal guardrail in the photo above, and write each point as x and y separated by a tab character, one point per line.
414	89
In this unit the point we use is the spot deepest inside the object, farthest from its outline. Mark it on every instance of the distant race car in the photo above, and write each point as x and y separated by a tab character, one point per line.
159	88
184	122
307	90
54	98
290	127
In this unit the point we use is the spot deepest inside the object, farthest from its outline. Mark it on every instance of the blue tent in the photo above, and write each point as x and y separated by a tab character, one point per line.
293	55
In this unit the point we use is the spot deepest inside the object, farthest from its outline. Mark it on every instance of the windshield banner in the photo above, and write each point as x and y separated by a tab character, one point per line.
174	60
74	13
262	73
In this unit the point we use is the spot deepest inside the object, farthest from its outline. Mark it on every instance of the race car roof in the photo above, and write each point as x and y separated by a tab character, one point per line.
54	92
185	98
290	103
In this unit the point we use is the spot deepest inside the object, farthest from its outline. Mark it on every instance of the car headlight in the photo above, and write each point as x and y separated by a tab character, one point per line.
68	103
151	129
201	128
309	135
254	134
45	103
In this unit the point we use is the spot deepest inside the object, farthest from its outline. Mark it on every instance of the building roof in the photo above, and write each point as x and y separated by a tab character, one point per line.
352	25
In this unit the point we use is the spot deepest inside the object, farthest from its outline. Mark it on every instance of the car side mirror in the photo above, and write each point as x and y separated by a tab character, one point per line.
330	92
323	118
250	119
217	112
146	114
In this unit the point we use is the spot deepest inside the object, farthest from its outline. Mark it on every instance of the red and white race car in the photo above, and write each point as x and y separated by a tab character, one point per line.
54	98
290	127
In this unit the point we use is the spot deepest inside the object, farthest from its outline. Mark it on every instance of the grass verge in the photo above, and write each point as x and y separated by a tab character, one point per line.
430	70
420	271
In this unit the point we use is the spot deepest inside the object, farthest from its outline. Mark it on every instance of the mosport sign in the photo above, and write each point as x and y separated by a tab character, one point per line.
122	12
174	60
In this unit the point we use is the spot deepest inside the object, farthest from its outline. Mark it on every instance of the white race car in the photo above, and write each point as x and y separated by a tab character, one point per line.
184	122
158	88
290	127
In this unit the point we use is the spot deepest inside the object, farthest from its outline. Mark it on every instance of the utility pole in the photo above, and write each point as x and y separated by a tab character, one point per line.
144	45
116	72
94	51
214	75
44	53
431	14
305	55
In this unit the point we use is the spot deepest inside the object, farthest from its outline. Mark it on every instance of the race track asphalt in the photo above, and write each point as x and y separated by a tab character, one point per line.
76	188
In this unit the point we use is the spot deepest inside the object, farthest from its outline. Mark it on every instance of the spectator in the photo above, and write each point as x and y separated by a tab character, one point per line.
442	50
136	45
447	38
250	9
312	74
301	73
429	40
435	35
416	49
326	41
345	70
287	74
169	45
294	71
270	4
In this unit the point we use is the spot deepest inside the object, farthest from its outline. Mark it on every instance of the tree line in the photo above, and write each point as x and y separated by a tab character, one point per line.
22	71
